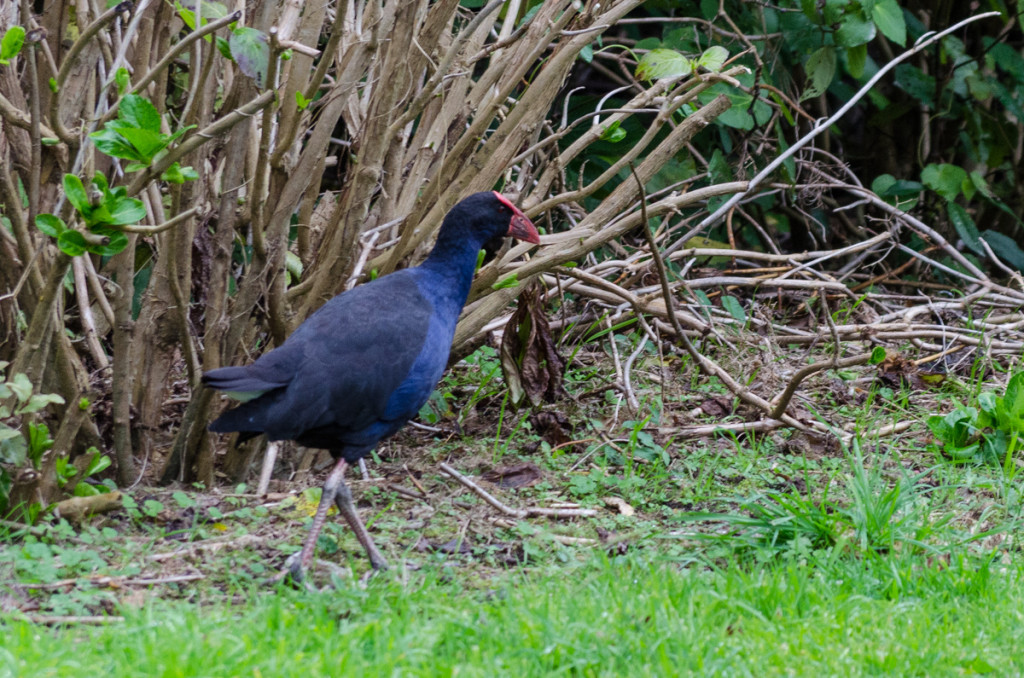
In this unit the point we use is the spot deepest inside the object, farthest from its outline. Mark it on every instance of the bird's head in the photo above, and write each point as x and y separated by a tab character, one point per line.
487	217
520	227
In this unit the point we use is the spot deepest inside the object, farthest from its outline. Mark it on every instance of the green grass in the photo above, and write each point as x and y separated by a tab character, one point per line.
755	554
601	617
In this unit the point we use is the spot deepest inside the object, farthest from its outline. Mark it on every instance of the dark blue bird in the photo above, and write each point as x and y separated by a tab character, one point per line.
365	363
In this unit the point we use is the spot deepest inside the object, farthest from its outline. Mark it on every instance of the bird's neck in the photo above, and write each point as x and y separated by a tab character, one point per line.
452	265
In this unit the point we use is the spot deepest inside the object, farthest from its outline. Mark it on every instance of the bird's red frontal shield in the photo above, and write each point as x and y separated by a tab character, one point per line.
520	228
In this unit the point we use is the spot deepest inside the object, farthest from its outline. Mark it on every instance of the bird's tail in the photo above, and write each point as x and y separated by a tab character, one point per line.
257	395
238	380
245	419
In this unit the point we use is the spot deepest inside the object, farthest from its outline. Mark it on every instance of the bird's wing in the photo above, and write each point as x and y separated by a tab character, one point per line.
348	358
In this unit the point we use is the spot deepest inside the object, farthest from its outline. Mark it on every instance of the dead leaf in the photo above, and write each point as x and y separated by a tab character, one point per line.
451	547
718	406
554	427
896	371
520	475
620	504
530	361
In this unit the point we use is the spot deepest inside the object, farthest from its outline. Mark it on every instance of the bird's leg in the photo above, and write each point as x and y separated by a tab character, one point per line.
343	498
335	479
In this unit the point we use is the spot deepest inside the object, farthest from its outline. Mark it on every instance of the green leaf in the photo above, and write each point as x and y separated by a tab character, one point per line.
118	241
856	58
510	281
152	508
663	63
735	308
820	68
98	464
72	243
251	52
50	224
21	387
887	186
878	354
138	112
1014	398
6	433
86	490
173	174
38	402
613	133
293	264
126	211
39	441
301	101
11	44
834	10
100	182
13	450
1006	248
855	29
224	47
713	58
980	185
207	11
123	80
916	83
146	142
988	402
187	15
945	179
888	16
113	144
810	10
75	192
965	227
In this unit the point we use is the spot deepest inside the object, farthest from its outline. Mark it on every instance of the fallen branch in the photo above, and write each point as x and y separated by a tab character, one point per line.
77	508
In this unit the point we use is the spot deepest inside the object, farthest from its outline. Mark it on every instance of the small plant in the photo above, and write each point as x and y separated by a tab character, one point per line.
990	432
136	136
102	216
22	440
70	480
868	515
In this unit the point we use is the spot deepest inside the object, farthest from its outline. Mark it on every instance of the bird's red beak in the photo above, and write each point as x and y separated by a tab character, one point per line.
521	228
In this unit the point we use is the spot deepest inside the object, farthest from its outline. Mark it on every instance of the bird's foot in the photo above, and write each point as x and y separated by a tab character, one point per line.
292	572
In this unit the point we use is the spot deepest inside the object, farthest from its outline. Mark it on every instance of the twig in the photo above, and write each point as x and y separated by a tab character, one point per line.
205	546
269	458
627	370
108	581
406	492
509	511
783	400
54	620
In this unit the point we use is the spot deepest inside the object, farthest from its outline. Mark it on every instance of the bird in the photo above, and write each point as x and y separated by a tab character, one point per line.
361	366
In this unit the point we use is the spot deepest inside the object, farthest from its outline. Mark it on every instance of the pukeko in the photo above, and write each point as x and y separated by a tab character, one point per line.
365	363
